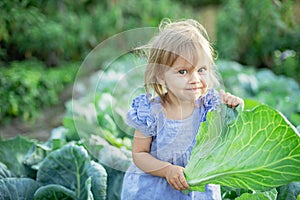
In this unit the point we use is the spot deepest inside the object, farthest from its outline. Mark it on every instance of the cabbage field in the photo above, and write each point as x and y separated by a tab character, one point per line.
87	156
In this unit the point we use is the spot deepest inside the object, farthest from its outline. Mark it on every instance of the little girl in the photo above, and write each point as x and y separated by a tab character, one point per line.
181	72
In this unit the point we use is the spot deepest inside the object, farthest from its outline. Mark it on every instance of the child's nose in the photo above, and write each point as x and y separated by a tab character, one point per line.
195	77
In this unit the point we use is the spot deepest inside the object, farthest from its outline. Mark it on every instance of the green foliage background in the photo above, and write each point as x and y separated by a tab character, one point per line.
36	36
259	33
67	30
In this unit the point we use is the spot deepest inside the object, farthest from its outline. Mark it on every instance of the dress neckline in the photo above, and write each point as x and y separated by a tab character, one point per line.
157	102
179	120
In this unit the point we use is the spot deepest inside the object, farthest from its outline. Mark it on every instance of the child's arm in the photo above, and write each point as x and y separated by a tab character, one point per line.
146	162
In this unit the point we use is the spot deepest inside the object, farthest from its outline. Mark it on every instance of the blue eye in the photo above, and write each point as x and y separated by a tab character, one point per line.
182	72
202	70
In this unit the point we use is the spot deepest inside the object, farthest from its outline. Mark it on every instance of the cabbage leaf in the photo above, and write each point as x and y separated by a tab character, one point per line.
17	188
267	195
70	169
255	149
4	172
53	191
12	152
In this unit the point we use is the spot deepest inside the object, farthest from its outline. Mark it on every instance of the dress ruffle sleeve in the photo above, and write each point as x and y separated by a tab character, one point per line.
140	115
211	101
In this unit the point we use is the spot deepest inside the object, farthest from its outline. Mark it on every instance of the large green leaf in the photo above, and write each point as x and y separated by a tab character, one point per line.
258	150
70	167
12	152
17	188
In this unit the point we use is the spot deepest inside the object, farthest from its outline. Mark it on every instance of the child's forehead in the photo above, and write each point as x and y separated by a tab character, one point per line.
198	61
192	53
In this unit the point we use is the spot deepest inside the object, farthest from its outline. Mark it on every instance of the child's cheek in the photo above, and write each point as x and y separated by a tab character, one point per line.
205	79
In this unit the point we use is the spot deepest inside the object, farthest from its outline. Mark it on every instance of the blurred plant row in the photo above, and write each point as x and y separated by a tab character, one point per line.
67	30
27	86
258	33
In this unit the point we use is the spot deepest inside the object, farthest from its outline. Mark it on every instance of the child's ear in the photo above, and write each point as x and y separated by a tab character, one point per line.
160	80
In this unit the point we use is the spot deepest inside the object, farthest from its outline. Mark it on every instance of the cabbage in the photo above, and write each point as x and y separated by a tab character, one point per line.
69	172
255	149
17	188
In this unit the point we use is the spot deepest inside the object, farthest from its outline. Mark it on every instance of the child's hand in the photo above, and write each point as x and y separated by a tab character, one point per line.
231	100
176	178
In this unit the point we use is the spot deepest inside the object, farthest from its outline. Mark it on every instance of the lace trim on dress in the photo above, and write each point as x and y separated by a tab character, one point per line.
140	116
212	100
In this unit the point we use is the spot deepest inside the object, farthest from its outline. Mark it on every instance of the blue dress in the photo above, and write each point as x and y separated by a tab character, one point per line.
172	141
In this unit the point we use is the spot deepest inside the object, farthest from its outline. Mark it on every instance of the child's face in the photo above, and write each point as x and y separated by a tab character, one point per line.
186	82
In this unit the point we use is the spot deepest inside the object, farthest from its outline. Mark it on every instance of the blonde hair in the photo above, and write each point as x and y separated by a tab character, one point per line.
187	39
